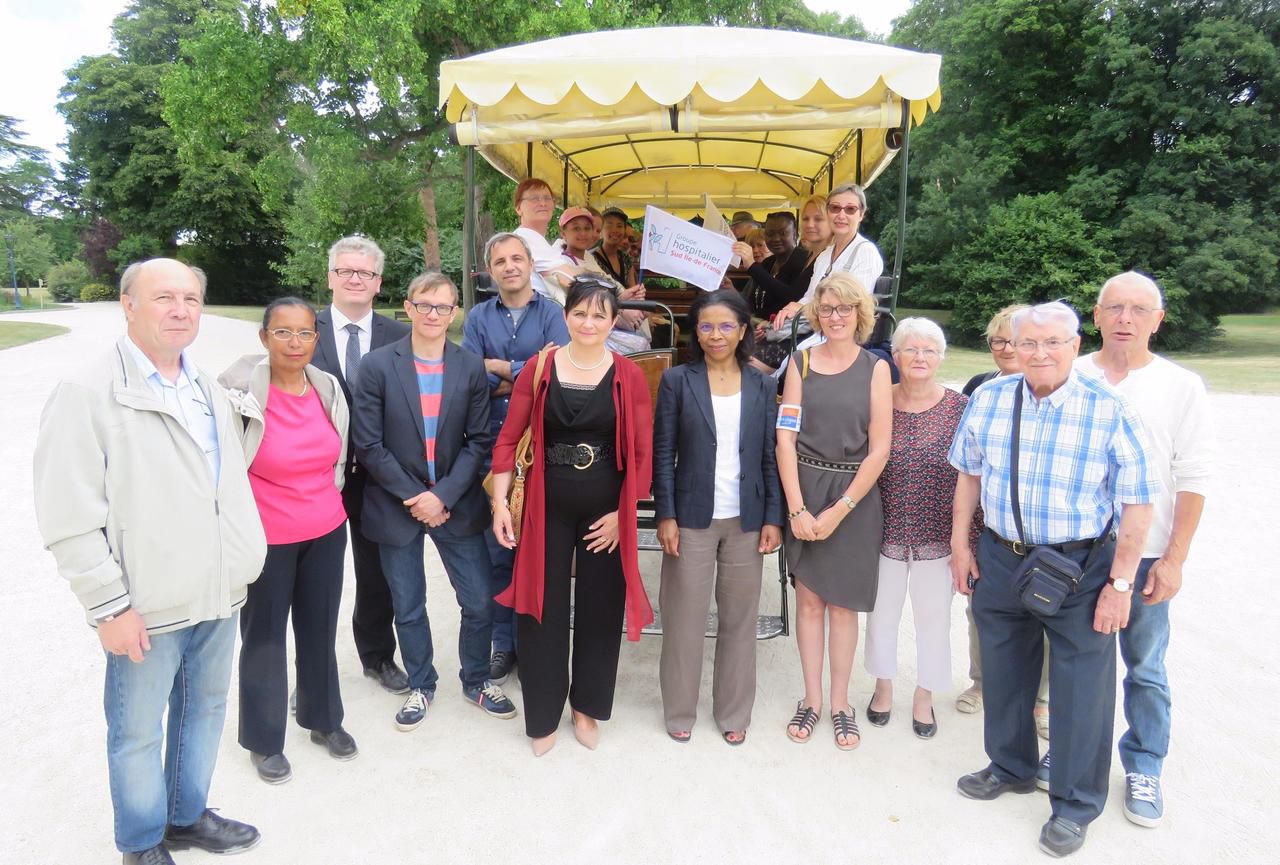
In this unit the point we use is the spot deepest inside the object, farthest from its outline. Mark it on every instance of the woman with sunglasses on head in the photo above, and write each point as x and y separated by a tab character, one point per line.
835	425
719	510
294	434
591	423
849	252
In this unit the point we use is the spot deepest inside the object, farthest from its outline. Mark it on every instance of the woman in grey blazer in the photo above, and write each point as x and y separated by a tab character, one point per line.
719	509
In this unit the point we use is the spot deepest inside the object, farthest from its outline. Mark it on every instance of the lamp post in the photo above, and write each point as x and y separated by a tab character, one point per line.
13	272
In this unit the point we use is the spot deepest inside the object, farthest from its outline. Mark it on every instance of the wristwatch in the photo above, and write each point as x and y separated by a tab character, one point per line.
848	502
1120	585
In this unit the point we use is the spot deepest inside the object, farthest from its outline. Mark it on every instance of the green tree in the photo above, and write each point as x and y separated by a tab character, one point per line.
33	251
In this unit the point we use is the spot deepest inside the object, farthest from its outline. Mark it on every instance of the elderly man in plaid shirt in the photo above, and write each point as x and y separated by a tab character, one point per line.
1082	450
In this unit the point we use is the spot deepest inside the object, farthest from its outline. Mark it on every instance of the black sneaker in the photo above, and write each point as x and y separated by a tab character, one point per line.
501	665
490	698
414	710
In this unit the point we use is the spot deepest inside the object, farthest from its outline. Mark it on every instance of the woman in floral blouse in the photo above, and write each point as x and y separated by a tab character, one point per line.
916	488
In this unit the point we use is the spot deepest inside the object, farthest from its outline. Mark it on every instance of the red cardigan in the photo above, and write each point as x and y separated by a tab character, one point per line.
634	450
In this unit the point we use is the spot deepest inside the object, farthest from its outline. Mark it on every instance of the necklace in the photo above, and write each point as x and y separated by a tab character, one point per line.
306	385
568	351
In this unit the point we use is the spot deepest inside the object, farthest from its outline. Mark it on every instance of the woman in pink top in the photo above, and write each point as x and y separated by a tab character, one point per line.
294	432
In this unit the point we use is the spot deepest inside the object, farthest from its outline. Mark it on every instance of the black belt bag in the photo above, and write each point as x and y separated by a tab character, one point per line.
1046	577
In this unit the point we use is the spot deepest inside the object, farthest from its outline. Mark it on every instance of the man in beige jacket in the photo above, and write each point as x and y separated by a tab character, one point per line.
143	499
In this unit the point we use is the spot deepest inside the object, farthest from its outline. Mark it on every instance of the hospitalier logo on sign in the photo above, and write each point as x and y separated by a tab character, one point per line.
659	240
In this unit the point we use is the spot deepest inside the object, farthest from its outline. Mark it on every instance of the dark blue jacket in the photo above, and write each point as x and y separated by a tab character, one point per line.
386	429
684	450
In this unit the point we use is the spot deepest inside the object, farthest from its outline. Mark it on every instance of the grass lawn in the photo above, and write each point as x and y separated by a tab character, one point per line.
19	332
38	301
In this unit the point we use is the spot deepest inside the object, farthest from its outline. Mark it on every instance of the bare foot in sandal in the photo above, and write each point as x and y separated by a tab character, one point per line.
847	734
800	727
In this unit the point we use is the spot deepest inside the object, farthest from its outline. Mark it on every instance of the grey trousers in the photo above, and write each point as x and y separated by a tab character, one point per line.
723	559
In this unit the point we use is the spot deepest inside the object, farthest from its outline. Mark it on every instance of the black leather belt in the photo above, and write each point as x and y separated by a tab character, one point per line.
1021	549
826	465
580	456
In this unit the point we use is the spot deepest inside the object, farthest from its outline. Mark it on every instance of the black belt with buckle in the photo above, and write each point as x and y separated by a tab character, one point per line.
827	465
580	456
1021	549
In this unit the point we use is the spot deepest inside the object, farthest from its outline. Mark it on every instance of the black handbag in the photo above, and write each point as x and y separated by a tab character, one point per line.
1046	577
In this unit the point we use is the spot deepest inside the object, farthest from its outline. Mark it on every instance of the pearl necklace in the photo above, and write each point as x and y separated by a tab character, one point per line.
568	352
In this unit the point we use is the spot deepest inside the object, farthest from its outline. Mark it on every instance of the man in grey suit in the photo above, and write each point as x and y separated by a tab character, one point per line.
420	426
349	329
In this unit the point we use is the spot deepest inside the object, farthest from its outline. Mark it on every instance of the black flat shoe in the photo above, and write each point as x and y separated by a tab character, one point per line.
986	785
156	855
212	834
878	719
272	768
339	742
925	731
1061	837
389	676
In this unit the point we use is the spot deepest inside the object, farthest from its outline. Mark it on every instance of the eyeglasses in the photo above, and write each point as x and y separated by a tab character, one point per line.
1052	344
441	309
540	199
706	328
848	209
844	310
348	272
1117	309
998	343
284	334
926	353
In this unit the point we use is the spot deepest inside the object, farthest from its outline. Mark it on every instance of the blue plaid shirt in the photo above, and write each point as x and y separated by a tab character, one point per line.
1082	448
491	332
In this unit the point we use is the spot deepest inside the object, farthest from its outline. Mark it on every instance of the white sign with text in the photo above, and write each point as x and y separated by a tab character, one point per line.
674	247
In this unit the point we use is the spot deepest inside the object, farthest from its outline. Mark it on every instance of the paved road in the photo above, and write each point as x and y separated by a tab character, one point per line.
463	788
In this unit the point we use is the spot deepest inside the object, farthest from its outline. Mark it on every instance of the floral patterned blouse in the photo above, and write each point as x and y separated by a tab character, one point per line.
918	484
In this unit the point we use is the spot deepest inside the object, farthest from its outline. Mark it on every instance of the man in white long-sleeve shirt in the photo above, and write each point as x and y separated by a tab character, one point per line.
1174	408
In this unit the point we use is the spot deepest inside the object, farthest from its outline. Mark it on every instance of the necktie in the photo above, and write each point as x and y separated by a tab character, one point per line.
353	353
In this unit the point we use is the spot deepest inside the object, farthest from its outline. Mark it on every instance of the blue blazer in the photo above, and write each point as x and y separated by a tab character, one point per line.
386	430
684	450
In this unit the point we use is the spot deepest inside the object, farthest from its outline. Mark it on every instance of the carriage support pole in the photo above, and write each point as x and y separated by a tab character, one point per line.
469	228
903	159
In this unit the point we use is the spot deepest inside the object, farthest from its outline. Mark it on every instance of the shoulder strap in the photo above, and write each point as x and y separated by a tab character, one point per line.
538	367
804	363
1014	437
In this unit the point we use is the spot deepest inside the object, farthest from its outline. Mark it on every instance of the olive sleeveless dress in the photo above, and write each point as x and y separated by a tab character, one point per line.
844	569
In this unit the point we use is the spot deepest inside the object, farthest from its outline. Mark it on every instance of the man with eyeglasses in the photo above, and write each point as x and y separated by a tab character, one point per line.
1174	407
421	427
506	331
142	496
1080	450
349	329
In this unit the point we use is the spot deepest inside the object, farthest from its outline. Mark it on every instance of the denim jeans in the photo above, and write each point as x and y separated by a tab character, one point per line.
190	670
1146	683
466	561
504	620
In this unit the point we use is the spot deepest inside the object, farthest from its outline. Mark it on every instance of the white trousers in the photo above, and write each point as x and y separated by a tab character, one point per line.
929	583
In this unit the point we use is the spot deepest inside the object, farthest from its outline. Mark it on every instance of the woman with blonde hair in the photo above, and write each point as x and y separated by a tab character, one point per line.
834	432
789	285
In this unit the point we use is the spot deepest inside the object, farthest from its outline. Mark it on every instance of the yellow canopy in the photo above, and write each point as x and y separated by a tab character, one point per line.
758	119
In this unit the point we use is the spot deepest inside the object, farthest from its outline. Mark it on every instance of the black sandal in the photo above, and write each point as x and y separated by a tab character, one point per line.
804	720
846	725
728	735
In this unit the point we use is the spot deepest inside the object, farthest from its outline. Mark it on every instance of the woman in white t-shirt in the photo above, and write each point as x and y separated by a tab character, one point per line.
535	204
718	503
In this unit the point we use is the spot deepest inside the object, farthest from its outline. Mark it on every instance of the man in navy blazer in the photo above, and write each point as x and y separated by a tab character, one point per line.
420	426
355	278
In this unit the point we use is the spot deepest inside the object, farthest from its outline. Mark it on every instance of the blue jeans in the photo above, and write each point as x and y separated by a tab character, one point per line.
1146	683
466	561
190	670
504	621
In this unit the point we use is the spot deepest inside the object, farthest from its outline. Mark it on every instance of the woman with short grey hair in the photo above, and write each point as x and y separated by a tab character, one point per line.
916	488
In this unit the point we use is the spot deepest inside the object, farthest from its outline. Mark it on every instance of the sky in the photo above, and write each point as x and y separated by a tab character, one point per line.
44	38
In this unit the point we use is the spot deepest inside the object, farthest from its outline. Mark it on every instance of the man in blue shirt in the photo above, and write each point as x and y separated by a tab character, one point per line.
1081	451
506	331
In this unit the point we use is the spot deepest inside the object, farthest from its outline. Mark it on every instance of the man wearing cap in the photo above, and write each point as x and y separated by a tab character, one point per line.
741	225
506	331
143	497
1051	454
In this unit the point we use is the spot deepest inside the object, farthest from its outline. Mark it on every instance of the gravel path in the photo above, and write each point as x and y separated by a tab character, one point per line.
463	788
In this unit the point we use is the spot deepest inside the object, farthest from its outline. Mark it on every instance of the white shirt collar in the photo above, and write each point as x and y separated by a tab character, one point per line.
340	320
148	369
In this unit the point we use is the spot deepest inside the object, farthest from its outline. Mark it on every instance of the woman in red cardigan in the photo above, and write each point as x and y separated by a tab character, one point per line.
593	445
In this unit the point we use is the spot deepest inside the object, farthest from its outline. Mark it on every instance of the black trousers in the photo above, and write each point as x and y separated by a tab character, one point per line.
575	500
305	578
373	620
1082	681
